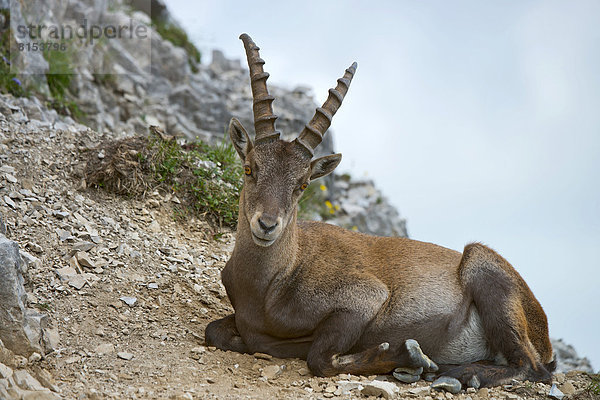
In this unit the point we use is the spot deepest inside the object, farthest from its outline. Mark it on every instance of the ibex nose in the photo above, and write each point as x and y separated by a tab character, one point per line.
267	223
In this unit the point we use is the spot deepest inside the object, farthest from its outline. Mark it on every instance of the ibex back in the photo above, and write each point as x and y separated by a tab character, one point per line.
353	303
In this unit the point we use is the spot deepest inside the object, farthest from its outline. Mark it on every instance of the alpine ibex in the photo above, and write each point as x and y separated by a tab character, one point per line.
347	302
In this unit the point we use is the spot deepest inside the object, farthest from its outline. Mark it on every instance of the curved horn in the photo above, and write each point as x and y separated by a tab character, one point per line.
264	119
313	132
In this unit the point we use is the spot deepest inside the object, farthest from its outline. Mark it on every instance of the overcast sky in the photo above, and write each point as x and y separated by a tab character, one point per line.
479	120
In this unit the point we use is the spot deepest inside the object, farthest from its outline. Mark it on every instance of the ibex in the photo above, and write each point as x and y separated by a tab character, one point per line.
352	303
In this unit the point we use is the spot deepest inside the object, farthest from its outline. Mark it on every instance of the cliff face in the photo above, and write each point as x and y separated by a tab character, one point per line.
121	86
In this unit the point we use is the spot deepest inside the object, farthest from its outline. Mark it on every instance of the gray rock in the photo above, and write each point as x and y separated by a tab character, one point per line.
447	383
555	393
271	371
20	327
125	355
130	301
567	358
387	390
365	209
26	381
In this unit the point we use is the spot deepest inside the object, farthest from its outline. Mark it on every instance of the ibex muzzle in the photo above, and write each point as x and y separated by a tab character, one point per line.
352	303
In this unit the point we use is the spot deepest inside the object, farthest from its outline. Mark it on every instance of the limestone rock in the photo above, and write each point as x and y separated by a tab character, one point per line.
387	390
20	327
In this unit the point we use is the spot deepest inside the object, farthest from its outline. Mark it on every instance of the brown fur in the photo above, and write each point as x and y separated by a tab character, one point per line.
349	302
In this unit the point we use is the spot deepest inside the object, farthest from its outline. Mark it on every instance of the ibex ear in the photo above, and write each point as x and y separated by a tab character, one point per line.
324	165
239	137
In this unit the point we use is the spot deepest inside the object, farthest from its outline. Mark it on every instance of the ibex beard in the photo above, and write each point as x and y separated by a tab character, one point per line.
353	303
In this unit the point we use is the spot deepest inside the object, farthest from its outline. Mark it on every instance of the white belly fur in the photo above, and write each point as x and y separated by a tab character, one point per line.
468	346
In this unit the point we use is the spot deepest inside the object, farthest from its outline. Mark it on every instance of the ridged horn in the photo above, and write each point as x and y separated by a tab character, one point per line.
313	132
264	119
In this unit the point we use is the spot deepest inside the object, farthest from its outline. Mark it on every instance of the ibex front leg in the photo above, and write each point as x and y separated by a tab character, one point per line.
337	334
223	334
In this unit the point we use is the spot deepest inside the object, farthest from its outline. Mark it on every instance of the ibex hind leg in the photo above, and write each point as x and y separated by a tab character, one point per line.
335	337
223	334
497	290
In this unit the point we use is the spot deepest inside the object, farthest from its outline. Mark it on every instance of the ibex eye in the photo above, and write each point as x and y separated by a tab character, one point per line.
304	186
247	170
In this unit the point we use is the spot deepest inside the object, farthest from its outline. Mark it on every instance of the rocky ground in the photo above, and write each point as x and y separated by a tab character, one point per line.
130	290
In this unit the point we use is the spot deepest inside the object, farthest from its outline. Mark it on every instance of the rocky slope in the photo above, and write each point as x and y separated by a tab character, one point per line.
103	296
154	83
129	290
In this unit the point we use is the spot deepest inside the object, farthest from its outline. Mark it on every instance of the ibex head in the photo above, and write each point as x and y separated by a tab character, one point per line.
276	171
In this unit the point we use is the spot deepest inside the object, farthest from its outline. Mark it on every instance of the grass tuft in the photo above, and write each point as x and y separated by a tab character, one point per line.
206	178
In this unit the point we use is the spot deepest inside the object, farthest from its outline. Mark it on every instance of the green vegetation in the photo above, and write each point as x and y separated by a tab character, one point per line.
210	176
206	179
59	75
179	38
315	202
594	386
9	82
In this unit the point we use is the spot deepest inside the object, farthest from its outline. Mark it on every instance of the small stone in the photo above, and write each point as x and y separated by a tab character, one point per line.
447	383
5	372
330	389
483	393
568	388
83	246
154	226
61	214
303	371
559	377
421	390
34	357
36	248
64	235
125	355
555	393
10	178
101	154
85	260
51	339
130	301
77	281
346	386
263	356
9	202
271	371
387	390
105	348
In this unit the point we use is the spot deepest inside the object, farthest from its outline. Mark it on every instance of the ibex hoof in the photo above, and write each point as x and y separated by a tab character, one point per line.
447	383
418	358
474	382
408	375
